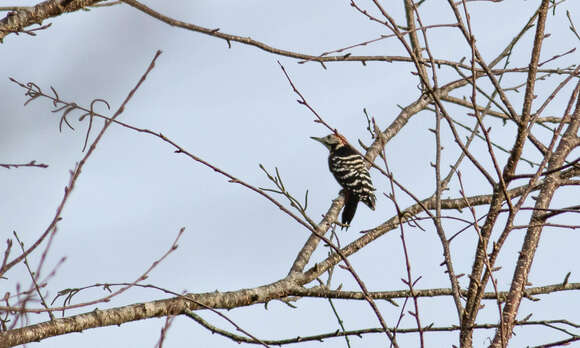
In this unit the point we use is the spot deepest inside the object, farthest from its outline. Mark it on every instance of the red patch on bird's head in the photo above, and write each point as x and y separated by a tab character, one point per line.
341	138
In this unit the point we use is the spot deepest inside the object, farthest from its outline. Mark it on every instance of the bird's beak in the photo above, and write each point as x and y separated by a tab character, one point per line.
318	139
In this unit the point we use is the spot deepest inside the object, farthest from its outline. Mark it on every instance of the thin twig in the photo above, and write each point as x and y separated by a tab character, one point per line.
77	171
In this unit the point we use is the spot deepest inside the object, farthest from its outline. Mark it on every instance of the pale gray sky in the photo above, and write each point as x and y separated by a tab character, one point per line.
235	108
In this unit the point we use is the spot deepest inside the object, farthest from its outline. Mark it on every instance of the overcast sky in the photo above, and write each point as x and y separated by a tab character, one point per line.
234	108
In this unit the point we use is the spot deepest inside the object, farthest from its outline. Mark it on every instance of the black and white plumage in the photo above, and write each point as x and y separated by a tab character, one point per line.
348	168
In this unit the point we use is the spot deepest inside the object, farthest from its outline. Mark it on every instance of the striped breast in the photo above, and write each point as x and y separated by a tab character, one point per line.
348	167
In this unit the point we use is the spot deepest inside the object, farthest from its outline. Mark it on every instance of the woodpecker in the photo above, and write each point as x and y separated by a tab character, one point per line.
348	168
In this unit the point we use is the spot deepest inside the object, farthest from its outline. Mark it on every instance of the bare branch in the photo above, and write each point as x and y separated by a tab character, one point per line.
29	164
77	171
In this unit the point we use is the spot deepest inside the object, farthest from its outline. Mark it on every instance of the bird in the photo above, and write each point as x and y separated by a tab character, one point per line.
348	168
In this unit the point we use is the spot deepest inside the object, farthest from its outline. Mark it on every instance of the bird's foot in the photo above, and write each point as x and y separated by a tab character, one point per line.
342	226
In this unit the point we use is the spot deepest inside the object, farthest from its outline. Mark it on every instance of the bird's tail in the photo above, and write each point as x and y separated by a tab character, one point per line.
350	204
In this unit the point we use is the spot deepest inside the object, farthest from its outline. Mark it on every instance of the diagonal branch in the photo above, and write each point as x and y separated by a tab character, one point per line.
520	278
77	171
15	21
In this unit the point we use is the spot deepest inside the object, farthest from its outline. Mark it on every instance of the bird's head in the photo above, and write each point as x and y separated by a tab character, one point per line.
331	141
